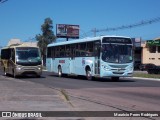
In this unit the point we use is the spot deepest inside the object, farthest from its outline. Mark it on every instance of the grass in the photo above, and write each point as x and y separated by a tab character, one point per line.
66	96
146	75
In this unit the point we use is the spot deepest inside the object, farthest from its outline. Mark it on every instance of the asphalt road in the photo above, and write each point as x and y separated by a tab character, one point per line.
128	94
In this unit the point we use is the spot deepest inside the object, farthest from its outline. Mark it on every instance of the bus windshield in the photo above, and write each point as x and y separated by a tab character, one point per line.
28	56
117	53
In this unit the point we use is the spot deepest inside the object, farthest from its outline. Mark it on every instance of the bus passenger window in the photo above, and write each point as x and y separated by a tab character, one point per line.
68	50
89	49
57	52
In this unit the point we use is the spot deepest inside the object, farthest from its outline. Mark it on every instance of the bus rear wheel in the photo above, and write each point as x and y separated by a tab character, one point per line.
88	74
59	71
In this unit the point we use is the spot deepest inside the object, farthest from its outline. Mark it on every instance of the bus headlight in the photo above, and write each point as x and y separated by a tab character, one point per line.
18	68
130	69
105	67
39	68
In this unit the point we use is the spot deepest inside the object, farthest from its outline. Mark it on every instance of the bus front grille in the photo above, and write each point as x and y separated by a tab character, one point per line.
29	69
120	73
118	66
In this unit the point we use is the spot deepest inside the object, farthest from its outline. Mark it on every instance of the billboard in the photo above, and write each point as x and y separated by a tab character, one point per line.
67	31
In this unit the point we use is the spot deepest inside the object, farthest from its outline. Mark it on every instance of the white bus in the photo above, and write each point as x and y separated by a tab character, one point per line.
21	59
103	56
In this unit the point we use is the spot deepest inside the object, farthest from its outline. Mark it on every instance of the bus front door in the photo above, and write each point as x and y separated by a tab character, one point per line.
97	66
97	50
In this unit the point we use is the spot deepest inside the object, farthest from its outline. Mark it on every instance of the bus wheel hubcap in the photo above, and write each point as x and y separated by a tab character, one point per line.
89	77
59	72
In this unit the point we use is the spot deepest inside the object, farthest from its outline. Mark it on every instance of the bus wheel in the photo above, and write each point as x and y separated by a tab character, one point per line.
59	71
88	74
5	73
115	78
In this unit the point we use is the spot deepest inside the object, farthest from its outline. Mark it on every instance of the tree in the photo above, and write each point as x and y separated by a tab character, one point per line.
46	37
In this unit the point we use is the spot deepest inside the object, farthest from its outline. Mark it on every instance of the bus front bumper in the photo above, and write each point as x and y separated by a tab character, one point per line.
28	70
116	73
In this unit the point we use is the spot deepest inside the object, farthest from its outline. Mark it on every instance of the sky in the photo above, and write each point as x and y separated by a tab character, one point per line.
22	19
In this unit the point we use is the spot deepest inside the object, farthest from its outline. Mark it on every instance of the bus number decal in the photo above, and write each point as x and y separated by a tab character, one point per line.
83	61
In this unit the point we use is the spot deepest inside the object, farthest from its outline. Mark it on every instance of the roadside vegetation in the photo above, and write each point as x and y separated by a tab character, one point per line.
46	37
146	75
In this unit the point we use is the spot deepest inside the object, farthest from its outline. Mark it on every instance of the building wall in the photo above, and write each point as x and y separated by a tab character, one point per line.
14	41
148	57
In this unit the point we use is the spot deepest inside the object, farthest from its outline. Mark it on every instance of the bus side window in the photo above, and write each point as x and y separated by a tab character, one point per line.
68	50
73	50
57	51
77	50
62	51
3	54
83	49
89	49
52	52
6	53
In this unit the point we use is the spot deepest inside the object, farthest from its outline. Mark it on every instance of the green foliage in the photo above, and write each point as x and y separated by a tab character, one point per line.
46	37
146	75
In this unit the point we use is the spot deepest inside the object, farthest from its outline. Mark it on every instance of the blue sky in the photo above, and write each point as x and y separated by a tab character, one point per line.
23	18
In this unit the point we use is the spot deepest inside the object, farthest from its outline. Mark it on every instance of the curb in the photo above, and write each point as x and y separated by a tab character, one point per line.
151	79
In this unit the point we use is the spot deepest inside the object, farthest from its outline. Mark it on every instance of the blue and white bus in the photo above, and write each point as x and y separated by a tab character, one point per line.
103	56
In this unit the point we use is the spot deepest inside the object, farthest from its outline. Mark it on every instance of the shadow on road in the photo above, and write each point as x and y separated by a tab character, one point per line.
94	79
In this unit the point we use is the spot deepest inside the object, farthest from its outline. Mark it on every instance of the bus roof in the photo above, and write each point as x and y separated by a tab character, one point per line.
82	40
18	45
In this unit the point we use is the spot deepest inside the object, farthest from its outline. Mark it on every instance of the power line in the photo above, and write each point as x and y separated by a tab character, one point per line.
3	1
141	23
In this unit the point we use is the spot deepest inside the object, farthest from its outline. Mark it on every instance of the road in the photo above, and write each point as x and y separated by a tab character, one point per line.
128	94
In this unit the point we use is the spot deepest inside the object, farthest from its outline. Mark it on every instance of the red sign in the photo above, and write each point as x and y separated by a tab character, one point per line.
61	61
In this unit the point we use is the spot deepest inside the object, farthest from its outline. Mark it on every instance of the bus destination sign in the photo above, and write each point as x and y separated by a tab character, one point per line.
117	40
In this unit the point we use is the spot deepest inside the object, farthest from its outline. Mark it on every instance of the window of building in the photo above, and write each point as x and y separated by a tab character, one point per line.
152	49
158	49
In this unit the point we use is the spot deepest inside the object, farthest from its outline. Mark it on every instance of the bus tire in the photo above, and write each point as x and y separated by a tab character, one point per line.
115	79
5	73
88	74
59	71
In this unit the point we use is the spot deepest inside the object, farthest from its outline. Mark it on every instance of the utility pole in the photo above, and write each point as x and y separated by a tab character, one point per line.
94	32
2	1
